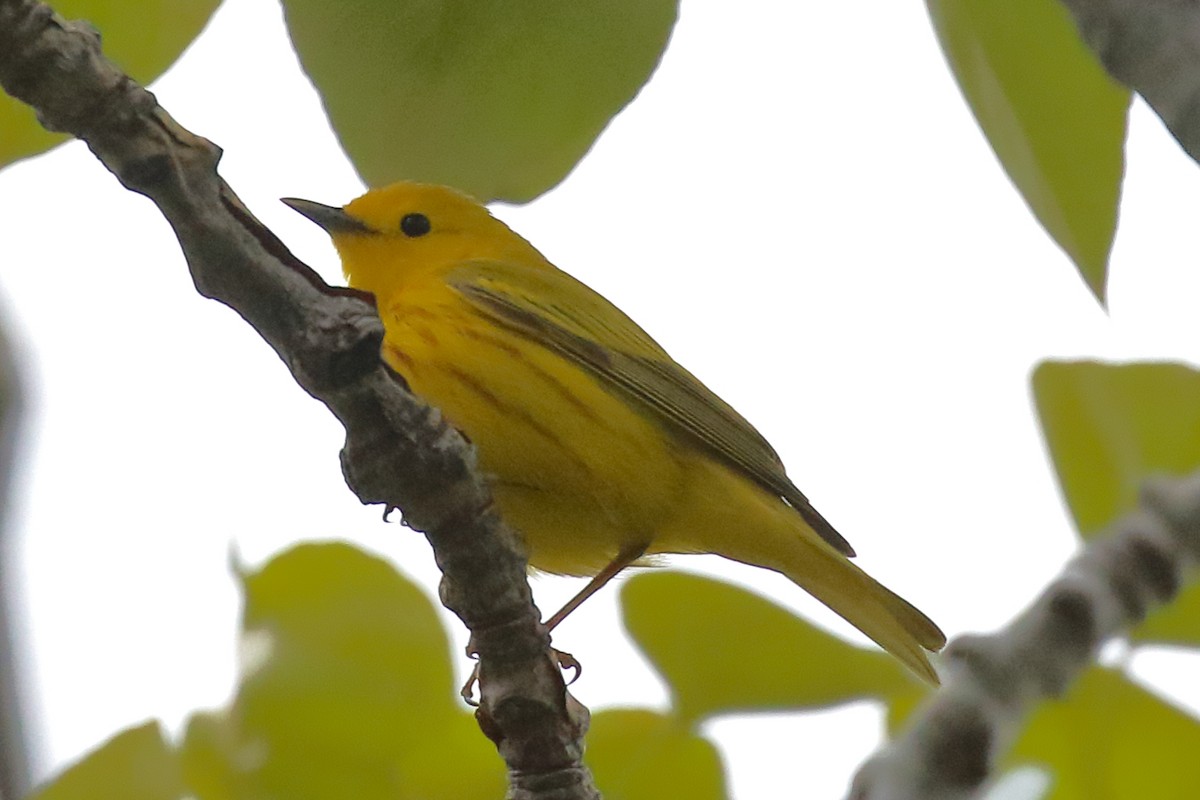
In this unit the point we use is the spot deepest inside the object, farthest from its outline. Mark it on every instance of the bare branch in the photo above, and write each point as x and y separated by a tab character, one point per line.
398	450
1153	47
14	744
954	741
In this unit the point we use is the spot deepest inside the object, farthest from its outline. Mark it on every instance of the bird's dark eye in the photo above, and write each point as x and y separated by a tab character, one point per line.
415	225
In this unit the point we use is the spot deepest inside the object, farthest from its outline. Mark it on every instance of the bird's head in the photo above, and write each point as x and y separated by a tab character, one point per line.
393	233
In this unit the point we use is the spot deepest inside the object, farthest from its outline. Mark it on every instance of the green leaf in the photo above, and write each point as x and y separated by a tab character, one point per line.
143	37
349	693
1108	428
138	761
1176	623
723	649
1111	740
642	755
499	99
901	705
207	756
1054	118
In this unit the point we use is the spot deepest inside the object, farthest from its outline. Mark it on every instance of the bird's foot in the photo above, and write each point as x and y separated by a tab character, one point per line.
565	662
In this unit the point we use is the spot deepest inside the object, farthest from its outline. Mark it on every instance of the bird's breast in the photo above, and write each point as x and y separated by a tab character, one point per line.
573	467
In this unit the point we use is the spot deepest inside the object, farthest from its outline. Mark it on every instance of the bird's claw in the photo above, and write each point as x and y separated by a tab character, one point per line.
467	692
565	662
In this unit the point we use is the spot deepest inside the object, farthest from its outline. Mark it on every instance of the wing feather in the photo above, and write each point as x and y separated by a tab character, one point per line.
585	328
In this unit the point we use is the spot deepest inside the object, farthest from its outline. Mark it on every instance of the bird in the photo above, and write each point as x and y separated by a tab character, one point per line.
600	450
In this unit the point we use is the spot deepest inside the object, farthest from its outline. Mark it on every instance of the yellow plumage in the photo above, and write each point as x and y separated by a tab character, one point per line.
596	443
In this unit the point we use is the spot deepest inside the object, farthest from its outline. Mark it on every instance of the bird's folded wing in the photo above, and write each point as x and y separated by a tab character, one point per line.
552	309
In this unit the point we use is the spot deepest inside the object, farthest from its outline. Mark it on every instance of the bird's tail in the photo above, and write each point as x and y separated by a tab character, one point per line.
888	619
740	521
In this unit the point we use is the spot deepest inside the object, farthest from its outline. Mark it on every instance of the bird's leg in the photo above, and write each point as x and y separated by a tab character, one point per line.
624	558
627	556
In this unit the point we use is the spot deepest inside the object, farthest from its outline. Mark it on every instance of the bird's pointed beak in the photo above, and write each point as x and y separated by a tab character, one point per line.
331	218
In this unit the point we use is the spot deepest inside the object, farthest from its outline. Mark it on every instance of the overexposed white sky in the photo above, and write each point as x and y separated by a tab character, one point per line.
799	207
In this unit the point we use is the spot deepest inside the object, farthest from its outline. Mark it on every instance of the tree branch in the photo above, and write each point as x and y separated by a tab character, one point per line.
14	755
1153	47
398	451
952	743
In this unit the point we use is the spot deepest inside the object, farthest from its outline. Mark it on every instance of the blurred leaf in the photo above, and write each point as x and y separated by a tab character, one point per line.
900	707
723	649
349	693
207	756
499	99
1054	118
1111	740
136	764
143	37
1176	623
643	755
1108	428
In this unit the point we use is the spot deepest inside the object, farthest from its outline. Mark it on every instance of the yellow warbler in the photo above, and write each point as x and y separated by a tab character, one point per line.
599	447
